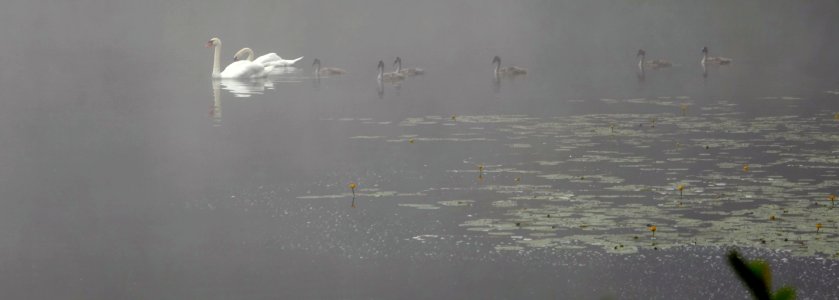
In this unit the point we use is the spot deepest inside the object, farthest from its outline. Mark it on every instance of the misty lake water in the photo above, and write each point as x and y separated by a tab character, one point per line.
129	173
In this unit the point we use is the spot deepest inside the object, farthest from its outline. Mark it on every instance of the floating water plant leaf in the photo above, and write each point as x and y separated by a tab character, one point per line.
456	202
419	205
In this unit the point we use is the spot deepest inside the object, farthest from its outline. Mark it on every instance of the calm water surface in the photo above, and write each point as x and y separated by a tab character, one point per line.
128	173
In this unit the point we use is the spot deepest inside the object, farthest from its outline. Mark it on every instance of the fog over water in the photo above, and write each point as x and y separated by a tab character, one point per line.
127	172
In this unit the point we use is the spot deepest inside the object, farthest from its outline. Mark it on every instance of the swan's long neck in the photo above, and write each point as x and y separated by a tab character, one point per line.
216	58
241	54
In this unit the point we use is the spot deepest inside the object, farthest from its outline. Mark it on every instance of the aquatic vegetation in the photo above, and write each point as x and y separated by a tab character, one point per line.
584	190
419	205
456	202
818	227
352	187
652	228
832	198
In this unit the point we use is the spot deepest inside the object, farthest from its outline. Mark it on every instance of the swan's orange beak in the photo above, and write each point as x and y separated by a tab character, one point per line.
209	44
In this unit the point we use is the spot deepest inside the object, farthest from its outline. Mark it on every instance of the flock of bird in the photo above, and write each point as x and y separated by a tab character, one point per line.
656	64
244	65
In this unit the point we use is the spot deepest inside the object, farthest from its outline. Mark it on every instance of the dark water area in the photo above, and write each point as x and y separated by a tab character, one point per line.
127	172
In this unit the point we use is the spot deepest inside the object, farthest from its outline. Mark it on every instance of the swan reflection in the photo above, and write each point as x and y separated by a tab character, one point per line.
215	110
244	88
641	73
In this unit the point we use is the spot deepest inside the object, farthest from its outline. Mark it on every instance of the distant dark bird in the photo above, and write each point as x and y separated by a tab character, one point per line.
506	71
326	71
711	60
406	71
392	77
655	64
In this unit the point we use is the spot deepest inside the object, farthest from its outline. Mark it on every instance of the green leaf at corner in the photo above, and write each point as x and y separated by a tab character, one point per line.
761	270
784	293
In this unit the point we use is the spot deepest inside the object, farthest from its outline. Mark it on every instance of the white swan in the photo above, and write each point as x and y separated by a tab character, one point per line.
326	71
655	64
506	71
406	71
238	69
711	60
272	59
247	54
389	76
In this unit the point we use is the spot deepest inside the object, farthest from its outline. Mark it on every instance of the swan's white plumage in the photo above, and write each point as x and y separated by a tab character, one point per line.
272	59
243	69
271	65
238	69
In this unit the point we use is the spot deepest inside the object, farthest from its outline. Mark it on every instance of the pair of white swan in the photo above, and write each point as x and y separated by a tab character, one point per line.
244	67
270	61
